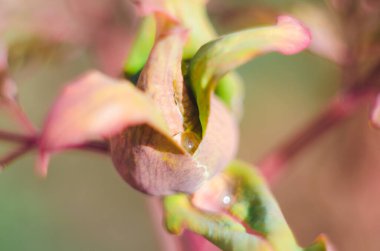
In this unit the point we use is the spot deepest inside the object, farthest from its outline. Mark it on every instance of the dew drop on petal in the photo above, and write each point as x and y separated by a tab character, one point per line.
188	140
215	195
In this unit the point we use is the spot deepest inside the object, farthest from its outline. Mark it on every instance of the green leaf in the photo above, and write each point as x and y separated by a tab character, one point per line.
221	230
256	206
193	16
251	203
141	47
230	89
218	57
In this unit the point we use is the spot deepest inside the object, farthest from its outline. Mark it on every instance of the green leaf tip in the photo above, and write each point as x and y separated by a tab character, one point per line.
216	58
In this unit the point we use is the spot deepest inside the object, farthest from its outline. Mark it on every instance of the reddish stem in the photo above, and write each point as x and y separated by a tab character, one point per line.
19	115
343	106
29	142
14	137
18	152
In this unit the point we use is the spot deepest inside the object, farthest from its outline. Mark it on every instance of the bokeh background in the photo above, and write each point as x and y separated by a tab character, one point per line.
331	187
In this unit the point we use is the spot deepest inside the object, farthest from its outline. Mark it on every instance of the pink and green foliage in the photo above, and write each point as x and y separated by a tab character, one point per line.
171	125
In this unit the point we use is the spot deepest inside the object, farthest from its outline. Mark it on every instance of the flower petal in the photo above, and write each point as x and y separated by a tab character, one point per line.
96	106
147	159
216	58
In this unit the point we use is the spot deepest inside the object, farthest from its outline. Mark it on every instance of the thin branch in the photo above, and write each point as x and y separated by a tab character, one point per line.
19	115
18	152
341	108
14	137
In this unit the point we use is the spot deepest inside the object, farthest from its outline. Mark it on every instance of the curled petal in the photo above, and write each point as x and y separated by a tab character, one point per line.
153	164
147	159
216	58
92	107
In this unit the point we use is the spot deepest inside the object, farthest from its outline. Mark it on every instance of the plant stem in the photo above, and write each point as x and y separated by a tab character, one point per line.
19	115
29	142
16	138
18	152
342	107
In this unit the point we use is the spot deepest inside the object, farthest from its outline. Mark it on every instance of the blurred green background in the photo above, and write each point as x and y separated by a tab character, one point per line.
85	205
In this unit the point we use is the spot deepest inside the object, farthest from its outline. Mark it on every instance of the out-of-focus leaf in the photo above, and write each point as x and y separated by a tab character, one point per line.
8	88
220	229
216	58
192	14
327	38
141	47
92	107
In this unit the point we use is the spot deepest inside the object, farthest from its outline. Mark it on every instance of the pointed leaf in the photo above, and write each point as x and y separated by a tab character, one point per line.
96	106
216	58
162	80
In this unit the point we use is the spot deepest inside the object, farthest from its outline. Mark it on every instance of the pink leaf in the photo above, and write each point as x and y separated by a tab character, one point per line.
92	107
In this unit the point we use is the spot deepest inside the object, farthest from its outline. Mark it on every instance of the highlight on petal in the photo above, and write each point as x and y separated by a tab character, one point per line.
216	58
92	107
375	113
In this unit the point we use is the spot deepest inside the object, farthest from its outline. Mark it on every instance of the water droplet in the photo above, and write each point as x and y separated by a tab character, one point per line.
188	140
226	200
215	195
